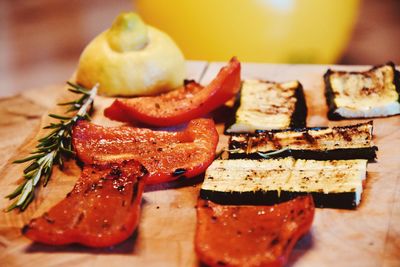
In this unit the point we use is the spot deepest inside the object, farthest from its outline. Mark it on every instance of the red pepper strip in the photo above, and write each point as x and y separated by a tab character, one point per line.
166	155
251	235
118	110
101	210
175	107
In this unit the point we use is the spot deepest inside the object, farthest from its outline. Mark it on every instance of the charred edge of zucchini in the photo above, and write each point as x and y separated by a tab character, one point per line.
299	116
396	80
232	118
298	119
345	200
368	153
303	129
245	198
330	96
259	133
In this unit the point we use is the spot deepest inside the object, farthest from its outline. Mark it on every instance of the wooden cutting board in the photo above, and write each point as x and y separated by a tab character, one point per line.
368	236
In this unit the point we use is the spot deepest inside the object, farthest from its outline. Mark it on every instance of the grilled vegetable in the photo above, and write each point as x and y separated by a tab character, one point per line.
187	103
265	105
335	183
250	235
166	155
102	209
345	142
372	93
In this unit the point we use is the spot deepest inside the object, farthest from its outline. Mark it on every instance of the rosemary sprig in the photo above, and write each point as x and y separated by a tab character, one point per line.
273	153
53	148
265	155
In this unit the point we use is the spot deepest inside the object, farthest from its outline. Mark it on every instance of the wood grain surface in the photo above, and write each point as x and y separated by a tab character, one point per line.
368	236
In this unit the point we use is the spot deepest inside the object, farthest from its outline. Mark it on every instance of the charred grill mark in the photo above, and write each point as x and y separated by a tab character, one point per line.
239	142
354	126
179	172
233	144
369	91
271	137
345	135
121	188
330	96
93	187
115	172
46	217
135	191
299	115
144	171
277	144
26	228
308	137
255	142
249	145
181	179
274	241
186	82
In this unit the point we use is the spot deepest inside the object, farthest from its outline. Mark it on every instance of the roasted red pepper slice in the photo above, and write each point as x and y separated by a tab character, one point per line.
251	235
189	102
102	209
166	155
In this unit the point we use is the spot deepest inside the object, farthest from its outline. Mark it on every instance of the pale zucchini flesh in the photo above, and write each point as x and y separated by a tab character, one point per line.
334	183
373	93
268	105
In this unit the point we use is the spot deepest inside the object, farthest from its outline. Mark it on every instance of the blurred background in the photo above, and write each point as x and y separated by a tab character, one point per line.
41	40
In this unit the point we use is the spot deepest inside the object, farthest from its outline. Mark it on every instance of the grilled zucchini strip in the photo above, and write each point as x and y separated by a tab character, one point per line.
267	105
372	93
344	142
334	184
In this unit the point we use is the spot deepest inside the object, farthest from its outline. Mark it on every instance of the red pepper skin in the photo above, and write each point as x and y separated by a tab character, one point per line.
228	235
182	105
166	155
102	209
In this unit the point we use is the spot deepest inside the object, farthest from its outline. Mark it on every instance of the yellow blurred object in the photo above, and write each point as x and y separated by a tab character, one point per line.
279	31
130	59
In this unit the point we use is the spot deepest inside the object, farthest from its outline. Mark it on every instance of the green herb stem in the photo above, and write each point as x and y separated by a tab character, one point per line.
273	153
53	148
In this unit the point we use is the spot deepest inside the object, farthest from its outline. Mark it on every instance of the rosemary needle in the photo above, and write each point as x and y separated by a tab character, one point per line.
53	148
271	154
